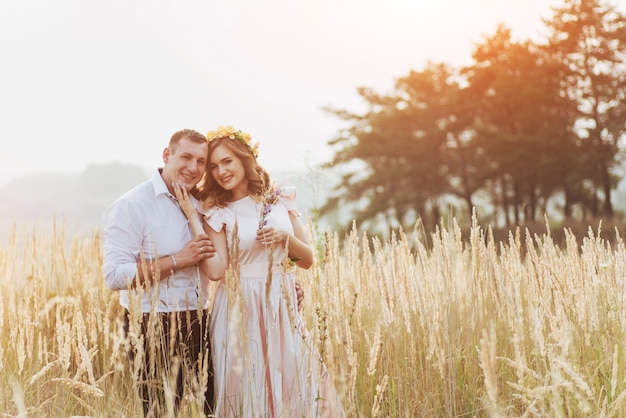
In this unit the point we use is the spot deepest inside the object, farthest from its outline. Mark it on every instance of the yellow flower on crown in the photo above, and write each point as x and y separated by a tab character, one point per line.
232	133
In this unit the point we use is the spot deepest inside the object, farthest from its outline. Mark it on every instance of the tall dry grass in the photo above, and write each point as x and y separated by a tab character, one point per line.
464	327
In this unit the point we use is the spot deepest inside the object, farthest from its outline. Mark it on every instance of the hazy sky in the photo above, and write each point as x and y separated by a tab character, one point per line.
98	82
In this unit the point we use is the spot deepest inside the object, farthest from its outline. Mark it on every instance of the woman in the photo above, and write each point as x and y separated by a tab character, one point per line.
264	364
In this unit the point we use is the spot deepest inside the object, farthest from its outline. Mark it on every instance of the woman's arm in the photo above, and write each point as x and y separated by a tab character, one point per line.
216	268
188	209
299	249
213	267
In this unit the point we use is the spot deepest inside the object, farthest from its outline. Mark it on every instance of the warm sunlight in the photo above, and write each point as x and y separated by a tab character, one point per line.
329	208
90	95
283	68
416	7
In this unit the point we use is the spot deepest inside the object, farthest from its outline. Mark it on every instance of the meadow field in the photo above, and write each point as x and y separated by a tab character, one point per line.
446	325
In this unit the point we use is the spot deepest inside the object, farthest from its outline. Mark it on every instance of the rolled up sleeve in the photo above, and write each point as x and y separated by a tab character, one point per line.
122	243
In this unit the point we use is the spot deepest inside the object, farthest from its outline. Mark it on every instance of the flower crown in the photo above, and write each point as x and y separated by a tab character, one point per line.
232	133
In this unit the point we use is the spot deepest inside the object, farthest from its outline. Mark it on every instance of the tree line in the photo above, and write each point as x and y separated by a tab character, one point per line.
528	128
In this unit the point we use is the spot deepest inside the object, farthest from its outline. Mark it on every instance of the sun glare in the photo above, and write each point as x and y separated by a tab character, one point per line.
417	7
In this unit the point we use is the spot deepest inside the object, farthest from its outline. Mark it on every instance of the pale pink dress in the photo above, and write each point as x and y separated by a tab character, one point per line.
264	364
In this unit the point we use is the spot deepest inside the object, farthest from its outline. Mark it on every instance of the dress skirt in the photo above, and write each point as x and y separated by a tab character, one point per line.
264	364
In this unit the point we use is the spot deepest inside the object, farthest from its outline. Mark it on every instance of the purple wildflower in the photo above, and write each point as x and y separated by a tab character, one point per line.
268	201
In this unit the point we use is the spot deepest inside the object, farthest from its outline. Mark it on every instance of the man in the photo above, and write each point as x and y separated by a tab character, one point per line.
151	258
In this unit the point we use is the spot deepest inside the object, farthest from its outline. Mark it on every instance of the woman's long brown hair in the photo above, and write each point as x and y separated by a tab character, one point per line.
212	194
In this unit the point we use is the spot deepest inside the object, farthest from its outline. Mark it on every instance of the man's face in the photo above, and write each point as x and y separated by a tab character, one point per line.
185	164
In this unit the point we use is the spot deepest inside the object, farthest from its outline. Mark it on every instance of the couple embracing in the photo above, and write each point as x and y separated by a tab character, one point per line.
212	215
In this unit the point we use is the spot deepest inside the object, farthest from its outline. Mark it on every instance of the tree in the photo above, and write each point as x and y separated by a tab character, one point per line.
460	165
522	123
526	123
589	37
403	141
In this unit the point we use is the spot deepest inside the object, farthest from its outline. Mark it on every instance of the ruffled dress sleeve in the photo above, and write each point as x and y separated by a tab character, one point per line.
287	199
215	217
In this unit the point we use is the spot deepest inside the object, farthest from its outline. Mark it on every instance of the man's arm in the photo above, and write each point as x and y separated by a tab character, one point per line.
198	249
124	241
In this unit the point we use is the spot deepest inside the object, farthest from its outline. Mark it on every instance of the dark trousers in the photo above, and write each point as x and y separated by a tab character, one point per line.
174	346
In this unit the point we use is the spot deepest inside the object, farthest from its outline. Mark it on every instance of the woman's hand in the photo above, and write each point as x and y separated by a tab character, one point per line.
298	248
268	235
196	223
183	200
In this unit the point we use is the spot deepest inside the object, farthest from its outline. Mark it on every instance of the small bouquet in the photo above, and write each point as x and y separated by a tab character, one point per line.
269	199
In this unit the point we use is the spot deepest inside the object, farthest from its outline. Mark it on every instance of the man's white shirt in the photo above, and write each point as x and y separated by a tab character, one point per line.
148	221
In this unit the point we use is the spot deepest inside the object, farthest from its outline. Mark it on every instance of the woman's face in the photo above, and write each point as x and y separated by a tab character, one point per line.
228	171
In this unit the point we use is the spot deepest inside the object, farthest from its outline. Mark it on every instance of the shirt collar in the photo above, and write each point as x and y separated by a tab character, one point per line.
158	184
159	187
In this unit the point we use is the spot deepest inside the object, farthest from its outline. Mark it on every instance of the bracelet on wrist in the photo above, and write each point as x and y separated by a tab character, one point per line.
175	266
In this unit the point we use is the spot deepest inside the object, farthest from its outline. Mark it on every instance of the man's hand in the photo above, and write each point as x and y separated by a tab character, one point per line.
197	249
299	295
